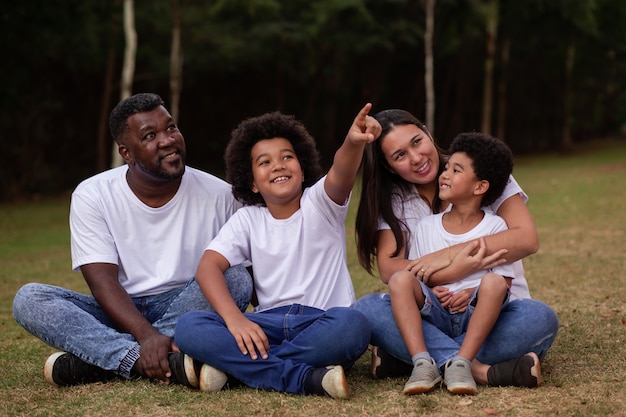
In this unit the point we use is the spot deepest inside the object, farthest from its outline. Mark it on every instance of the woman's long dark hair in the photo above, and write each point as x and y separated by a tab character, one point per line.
378	188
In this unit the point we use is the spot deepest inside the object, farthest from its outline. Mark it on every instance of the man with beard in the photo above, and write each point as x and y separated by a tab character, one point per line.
137	234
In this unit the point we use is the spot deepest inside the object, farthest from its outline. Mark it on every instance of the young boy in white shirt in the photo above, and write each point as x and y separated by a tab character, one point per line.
304	331
474	176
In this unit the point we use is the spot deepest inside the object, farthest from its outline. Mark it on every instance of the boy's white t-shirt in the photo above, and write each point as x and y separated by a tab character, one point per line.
156	249
412	208
299	260
430	236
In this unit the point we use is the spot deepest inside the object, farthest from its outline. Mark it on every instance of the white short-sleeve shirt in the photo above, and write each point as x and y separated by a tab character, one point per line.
299	260
430	236
156	249
410	209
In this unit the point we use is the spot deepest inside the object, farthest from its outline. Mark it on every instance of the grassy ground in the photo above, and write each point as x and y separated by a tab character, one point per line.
579	205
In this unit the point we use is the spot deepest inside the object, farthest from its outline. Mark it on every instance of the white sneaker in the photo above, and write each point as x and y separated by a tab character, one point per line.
212	379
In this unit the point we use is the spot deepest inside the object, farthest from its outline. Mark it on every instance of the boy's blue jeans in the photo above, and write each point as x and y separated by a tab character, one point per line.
452	324
75	323
524	325
301	338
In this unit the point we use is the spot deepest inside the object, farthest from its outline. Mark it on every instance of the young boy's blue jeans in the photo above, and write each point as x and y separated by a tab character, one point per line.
301	338
75	323
452	324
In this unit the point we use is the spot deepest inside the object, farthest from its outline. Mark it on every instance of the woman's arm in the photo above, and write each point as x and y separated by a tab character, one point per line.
387	263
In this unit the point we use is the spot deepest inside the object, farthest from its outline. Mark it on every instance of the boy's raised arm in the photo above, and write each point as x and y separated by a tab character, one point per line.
342	174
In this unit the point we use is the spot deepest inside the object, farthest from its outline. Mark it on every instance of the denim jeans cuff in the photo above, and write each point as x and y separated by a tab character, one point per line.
129	361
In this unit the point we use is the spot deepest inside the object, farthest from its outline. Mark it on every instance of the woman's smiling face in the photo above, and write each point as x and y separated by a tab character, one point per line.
411	154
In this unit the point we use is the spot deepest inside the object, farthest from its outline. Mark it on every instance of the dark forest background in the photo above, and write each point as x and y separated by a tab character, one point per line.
559	73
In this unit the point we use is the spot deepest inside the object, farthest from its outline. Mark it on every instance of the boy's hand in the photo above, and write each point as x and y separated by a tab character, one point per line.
364	129
249	337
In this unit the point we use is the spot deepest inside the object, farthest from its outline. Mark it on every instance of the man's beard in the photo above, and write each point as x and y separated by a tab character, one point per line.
161	173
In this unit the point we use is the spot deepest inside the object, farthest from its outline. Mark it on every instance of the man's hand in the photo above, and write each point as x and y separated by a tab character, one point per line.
152	362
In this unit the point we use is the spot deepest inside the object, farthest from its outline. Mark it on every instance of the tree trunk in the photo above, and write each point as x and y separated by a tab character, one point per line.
429	8
128	69
566	140
492	35
504	64
176	61
105	107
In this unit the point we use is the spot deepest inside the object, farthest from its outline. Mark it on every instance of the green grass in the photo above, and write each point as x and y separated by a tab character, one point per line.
579	204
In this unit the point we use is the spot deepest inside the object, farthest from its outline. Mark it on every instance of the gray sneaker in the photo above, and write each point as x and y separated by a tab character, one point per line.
458	378
425	377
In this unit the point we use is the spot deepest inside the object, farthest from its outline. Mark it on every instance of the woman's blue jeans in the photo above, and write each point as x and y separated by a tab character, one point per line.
75	323
524	325
301	338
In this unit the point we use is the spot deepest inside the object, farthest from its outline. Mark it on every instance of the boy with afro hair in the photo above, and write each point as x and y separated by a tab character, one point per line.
303	332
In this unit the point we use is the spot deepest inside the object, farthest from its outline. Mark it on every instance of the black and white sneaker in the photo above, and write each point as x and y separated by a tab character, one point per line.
64	369
329	381
185	370
519	372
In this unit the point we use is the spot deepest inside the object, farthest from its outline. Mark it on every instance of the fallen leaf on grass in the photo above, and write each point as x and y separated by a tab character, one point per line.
491	411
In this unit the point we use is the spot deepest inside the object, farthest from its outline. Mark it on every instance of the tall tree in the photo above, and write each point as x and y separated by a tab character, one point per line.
429	70
491	16
176	60
128	68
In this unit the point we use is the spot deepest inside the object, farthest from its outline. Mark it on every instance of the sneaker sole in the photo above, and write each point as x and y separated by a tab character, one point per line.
535	370
376	361
49	366
338	386
421	389
190	371
211	379
462	390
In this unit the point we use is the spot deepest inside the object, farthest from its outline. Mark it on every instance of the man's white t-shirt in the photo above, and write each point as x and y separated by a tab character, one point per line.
299	260
410	209
430	236
156	249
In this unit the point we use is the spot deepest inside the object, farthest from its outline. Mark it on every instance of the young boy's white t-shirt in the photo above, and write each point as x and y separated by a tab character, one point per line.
299	260
410	209
430	236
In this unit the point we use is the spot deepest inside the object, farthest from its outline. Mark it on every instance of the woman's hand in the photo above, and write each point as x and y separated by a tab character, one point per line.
427	265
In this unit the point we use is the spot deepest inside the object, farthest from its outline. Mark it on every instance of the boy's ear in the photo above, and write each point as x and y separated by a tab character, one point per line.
254	188
481	187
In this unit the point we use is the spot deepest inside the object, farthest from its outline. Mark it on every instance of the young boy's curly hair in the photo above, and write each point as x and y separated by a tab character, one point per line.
492	161
267	126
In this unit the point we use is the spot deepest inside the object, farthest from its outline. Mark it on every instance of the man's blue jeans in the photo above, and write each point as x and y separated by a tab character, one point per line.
301	338
75	323
524	325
